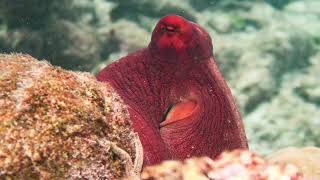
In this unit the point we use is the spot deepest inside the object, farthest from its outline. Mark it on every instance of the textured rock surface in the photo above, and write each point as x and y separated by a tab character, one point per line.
237	164
60	124
307	159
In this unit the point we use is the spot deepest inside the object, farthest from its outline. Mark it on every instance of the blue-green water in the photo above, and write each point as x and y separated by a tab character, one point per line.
268	51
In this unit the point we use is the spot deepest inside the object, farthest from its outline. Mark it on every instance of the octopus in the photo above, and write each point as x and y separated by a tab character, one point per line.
178	101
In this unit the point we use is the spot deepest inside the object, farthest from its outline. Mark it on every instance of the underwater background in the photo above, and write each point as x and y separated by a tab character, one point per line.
268	51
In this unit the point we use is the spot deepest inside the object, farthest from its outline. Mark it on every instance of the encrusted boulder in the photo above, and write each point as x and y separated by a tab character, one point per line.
58	124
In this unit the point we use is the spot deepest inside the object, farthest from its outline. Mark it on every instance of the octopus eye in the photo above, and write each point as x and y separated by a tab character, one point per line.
179	111
169	28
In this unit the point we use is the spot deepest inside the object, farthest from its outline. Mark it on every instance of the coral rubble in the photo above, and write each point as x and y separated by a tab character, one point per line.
268	51
238	164
307	159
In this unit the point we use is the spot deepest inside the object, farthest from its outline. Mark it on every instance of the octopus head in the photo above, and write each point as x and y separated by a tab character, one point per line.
176	38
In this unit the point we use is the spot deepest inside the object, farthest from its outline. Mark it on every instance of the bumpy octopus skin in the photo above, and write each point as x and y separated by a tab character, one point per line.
178	100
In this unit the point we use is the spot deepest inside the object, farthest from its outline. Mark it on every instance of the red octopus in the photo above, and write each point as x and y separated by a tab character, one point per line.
178	100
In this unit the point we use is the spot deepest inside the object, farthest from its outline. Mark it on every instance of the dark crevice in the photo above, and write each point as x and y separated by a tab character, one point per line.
302	93
134	10
255	101
165	114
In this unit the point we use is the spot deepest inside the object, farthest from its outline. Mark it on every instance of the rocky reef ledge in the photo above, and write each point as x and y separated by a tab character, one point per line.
58	124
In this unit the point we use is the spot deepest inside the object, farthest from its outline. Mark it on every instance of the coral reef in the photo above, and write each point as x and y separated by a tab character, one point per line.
238	164
57	124
32	14
58	30
270	64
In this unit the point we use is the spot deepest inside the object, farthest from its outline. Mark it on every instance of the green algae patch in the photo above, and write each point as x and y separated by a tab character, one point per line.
57	124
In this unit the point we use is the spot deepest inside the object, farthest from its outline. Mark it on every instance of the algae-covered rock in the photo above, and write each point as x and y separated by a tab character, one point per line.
57	124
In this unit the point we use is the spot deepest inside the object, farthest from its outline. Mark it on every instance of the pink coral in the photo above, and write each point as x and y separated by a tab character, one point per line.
237	164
